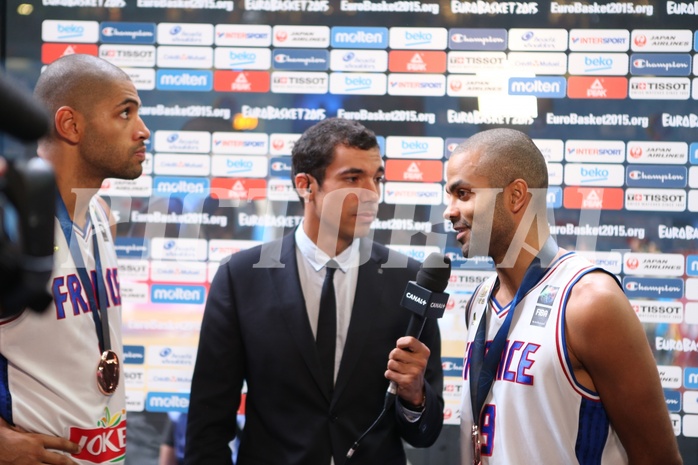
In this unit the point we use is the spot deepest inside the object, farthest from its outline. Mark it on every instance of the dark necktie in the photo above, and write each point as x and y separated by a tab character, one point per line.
326	339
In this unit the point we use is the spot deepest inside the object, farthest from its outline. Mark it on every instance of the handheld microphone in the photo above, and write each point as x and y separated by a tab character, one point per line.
425	299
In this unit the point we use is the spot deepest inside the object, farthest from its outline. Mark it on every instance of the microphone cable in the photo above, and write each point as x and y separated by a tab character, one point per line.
387	403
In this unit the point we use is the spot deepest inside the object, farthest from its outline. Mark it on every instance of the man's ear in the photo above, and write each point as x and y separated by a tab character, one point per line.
68	124
303	188
516	196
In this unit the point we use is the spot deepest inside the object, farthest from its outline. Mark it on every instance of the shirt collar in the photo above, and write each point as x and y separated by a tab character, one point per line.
318	259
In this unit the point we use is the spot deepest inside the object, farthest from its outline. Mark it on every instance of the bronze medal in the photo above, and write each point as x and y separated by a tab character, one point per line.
475	437
108	372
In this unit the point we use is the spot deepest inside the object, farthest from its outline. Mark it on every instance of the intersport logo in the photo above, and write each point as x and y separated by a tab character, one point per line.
244	35
599	40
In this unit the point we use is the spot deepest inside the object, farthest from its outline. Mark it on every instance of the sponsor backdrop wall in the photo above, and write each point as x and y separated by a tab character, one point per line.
607	90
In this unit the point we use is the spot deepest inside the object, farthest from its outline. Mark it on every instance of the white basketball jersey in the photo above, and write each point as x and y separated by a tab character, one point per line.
48	361
536	412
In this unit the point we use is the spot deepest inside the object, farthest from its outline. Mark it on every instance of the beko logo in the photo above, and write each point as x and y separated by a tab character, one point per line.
417	299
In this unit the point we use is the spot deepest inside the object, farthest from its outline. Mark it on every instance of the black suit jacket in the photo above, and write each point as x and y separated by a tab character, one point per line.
256	329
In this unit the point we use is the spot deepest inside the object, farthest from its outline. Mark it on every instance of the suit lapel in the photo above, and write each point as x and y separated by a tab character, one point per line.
368	285
293	310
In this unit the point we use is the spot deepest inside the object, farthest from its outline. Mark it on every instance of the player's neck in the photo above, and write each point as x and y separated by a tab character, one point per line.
76	202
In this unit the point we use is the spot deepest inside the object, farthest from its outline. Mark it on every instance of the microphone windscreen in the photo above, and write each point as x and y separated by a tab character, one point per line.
21	115
435	272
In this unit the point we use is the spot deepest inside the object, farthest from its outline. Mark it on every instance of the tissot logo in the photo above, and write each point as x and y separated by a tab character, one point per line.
650	88
128	55
655	199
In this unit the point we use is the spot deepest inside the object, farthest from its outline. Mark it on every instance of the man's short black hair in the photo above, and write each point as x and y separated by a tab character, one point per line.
315	149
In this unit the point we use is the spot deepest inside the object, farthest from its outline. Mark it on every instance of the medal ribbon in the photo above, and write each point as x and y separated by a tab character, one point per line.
99	311
484	366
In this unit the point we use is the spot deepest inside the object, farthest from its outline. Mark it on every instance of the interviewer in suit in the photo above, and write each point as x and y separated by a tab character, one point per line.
260	325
